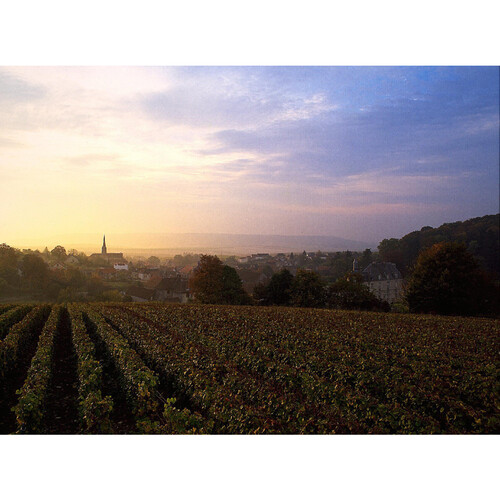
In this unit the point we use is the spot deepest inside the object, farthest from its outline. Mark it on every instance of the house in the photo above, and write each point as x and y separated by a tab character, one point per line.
57	267
172	290
186	270
121	266
153	282
260	256
146	274
106	273
384	280
72	260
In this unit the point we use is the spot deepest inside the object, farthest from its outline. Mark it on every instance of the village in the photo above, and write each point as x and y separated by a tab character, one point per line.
142	279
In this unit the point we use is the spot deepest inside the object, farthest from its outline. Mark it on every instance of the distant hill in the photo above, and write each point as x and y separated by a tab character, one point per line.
213	243
253	243
481	235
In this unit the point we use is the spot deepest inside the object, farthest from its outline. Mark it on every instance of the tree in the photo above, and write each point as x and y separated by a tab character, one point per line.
74	278
4	287
308	289
446	280
206	280
35	272
260	294
349	292
153	261
58	252
95	286
302	259
278	291
391	251
8	264
366	259
232	288
339	264
214	283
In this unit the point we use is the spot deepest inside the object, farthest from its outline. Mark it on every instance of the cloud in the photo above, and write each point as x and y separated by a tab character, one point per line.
9	143
88	159
227	99
14	90
245	144
398	133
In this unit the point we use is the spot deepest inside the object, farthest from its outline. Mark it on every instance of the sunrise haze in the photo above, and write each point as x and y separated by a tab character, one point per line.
360	153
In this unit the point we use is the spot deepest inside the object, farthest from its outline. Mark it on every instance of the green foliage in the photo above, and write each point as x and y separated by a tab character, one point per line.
8	267
20	334
279	370
284	370
35	273
350	293
95	410
68	295
183	421
480	235
59	253
212	282
138	380
185	260
278	291
366	259
232	288
95	286
206	280
447	280
32	396
153	260
111	296
339	263
12	316
307	290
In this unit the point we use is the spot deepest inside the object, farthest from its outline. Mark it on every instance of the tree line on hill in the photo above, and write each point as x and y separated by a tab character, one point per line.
479	235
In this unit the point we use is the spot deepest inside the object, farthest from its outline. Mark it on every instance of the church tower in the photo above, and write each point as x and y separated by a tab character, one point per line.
104	250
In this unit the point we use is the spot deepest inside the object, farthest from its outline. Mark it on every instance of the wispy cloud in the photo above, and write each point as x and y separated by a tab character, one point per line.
345	150
225	99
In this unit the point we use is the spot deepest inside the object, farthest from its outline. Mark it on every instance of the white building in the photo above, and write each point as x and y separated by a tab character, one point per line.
384	280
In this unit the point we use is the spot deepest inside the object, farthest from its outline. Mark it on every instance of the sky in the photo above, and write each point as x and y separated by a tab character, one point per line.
363	153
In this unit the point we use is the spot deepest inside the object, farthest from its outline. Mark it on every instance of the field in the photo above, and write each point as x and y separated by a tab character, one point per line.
162	369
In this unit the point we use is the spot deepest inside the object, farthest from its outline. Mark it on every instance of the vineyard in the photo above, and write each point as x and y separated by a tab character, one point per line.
163	369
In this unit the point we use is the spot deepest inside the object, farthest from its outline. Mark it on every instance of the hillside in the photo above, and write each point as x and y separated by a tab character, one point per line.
151	368
480	235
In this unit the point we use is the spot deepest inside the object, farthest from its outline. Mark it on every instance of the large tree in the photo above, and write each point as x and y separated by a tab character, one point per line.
278	291
308	289
232	288
35	273
214	283
59	252
447	280
8	264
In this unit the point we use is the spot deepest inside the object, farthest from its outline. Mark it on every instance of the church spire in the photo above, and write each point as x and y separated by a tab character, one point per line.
104	250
